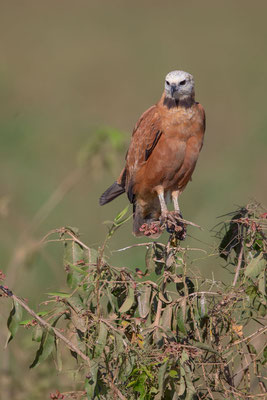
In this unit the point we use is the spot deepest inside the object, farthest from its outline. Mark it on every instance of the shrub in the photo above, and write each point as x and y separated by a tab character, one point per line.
176	336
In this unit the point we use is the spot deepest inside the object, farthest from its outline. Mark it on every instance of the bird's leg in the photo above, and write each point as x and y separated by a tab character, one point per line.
176	225
175	196
171	220
165	214
163	206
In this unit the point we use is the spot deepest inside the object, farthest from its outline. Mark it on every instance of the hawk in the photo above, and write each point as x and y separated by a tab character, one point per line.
162	156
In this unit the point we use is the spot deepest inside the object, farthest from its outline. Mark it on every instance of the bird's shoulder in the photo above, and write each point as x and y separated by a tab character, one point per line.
202	114
149	119
146	132
145	137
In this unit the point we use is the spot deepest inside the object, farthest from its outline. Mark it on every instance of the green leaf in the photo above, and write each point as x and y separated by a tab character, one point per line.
45	349
59	294
118	221
140	388
104	305
252	349
232	237
112	300
265	355
90	256
203	308
121	214
166	318
256	266
153	390
204	346
140	385
119	342
132	383
47	344
37	333
146	370
262	286
180	321
76	302
161	379
149	259
58	355
127	366
251	291
27	321
128	302
13	320
190	390
101	340
143	298
91	381
173	373
79	270
165	297
73	229
184	357
73	253
181	388
77	308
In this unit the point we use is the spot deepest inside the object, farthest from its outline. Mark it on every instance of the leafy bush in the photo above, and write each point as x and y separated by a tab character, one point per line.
179	336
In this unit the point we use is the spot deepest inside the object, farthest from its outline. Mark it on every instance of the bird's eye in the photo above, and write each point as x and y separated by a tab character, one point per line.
183	82
168	83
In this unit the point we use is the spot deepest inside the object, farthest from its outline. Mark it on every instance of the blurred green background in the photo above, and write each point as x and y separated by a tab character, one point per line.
71	68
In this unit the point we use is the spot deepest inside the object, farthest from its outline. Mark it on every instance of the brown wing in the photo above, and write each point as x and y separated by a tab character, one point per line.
145	137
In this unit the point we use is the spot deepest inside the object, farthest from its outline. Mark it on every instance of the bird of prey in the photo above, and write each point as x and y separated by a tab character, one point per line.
162	156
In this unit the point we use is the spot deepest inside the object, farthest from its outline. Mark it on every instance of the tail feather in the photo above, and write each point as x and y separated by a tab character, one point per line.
111	193
138	220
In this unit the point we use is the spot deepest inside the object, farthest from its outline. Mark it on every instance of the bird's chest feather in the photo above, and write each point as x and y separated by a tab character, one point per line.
179	125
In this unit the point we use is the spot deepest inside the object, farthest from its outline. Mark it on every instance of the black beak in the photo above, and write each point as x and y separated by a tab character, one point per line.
173	89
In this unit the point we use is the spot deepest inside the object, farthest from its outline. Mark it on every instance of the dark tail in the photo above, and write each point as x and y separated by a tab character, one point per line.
111	193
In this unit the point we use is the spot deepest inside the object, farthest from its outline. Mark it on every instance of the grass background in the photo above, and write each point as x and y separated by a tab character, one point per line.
68	68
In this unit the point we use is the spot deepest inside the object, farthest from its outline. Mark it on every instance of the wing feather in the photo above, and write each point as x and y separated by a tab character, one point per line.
145	137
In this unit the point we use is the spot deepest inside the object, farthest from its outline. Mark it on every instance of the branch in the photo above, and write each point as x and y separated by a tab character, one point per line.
240	258
258	332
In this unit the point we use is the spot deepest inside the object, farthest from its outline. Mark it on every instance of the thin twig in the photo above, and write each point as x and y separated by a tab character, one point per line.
137	245
158	314
258	332
161	244
184	221
239	263
62	231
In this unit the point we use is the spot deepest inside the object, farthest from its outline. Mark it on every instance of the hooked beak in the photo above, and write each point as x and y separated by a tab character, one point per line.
173	89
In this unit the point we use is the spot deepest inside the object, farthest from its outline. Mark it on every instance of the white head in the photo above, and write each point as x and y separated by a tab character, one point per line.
179	85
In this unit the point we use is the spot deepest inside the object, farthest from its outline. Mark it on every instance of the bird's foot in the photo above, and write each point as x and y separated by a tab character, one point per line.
152	228
173	222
